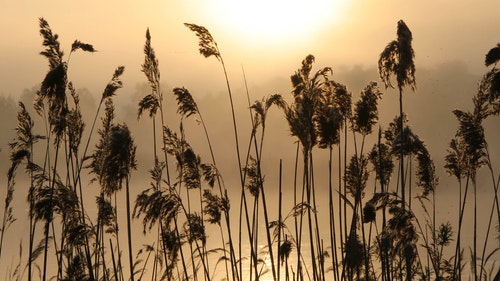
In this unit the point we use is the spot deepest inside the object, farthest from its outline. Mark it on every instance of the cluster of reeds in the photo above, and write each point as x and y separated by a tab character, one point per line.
468	152
370	235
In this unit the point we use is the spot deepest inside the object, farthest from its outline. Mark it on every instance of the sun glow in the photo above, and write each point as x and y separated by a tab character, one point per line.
276	21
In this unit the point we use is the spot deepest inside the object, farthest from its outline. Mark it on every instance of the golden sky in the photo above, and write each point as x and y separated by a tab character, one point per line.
267	38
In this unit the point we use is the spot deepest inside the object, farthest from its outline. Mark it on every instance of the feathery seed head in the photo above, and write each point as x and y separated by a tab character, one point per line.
493	56
151	69
365	110
284	250
357	176
195	228
354	252
426	171
329	119
455	159
253	176
114	84
156	205
471	134
381	158
369	213
118	158
207	44
77	44
398	58
214	206
186	104
51	42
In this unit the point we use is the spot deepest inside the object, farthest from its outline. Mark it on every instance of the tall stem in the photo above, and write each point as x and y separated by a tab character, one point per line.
401	152
49	219
129	228
333	237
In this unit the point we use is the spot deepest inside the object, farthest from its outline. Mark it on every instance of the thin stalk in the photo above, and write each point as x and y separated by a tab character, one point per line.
401	152
120	266
340	203
345	187
10	188
261	187
47	222
490	219
384	251
319	249
456	263
244	206
234	121
184	266
129	228
299	237
226	212
309	217
279	214
113	259
299	269
474	241
458	236
242	180
333	237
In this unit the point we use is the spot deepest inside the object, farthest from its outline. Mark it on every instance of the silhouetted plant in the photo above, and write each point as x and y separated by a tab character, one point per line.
333	111
381	158
113	162
365	113
156	205
357	176
215	206
76	270
186	104
354	255
397	58
153	101
187	107
208	47
61	120
253	178
425	173
307	91
21	149
468	152
195	228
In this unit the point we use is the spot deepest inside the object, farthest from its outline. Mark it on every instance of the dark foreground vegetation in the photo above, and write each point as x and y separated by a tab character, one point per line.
373	232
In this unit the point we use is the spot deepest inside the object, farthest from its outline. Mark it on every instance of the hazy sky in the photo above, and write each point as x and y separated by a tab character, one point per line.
267	38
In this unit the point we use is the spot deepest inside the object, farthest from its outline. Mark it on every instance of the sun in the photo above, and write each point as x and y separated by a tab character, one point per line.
276	21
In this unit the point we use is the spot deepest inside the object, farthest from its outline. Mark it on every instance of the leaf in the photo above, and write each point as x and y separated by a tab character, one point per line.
38	250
